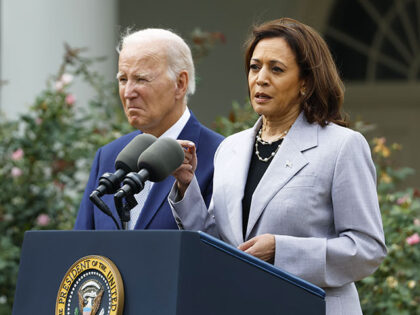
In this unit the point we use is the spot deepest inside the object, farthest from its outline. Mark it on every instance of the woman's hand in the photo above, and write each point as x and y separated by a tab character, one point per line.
261	246
185	173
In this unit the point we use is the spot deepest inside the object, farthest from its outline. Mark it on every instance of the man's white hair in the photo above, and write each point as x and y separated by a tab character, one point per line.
177	52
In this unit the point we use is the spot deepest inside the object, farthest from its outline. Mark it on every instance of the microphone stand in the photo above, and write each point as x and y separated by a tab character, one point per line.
108	184
124	209
95	198
133	183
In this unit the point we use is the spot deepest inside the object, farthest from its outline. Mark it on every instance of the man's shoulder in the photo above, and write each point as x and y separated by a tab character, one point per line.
210	134
121	141
208	141
197	132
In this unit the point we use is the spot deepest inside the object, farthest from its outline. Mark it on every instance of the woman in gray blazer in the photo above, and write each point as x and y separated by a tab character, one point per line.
299	188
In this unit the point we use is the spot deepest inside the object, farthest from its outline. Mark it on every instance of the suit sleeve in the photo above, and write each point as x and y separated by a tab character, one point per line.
359	245
191	212
206	148
85	216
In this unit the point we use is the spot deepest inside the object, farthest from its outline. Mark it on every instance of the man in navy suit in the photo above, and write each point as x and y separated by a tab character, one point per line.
156	76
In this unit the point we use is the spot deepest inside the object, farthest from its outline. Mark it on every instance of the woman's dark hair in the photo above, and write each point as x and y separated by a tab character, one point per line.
323	100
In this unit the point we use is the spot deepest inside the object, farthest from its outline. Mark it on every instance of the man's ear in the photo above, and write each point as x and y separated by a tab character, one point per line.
181	85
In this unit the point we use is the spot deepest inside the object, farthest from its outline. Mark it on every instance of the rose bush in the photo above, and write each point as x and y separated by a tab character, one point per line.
45	157
395	287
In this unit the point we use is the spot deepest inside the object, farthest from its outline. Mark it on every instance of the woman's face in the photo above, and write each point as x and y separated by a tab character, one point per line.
273	79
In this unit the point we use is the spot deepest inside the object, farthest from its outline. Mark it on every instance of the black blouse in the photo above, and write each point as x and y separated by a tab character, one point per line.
256	171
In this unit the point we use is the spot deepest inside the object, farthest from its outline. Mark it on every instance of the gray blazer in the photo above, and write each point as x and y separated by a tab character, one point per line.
318	197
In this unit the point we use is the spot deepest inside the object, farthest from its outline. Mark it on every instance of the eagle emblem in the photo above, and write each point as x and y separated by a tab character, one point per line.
90	296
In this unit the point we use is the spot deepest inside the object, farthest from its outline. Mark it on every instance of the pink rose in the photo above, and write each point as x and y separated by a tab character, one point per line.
413	239
16	172
17	155
59	86
43	219
66	78
70	99
402	200
416	222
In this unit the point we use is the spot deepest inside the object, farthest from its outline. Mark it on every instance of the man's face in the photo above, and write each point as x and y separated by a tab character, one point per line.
146	90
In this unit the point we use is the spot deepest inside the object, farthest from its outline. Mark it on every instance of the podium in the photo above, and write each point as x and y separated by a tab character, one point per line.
163	272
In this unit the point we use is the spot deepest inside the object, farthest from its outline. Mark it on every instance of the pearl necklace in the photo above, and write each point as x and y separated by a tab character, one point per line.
260	140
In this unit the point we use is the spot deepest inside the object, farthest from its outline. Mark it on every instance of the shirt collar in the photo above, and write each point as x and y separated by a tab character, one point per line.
174	131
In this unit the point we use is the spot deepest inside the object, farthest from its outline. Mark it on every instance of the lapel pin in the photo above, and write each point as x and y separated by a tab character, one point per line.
289	164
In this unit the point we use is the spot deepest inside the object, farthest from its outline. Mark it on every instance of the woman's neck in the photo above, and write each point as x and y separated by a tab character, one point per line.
274	128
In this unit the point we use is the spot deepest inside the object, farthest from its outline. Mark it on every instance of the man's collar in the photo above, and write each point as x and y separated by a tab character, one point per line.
174	131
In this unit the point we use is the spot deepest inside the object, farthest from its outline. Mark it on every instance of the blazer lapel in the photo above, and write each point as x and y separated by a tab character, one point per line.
236	171
156	197
159	192
288	161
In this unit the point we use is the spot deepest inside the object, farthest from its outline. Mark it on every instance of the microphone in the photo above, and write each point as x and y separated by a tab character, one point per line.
125	162
155	164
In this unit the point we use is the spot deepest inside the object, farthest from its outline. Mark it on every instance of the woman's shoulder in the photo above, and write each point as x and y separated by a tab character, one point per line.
239	136
236	141
336	131
341	136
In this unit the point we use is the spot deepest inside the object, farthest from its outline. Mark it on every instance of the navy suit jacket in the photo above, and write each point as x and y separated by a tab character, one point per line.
156	213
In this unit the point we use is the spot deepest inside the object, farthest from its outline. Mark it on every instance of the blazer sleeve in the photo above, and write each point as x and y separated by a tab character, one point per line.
192	211
359	245
85	216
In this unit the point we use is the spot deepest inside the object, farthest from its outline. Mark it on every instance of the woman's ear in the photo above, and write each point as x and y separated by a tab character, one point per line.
181	85
302	90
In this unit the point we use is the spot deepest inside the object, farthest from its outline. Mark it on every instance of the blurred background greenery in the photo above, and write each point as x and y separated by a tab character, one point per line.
46	152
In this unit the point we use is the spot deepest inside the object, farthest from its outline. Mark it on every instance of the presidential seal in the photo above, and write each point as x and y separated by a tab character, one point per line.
92	286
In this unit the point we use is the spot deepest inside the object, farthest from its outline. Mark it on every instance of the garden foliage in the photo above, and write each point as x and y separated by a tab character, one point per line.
45	159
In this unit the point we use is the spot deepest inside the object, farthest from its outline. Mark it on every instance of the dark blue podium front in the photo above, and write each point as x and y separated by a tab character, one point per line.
164	272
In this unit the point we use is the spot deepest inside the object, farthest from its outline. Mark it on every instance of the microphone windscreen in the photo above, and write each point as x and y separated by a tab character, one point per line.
161	159
127	158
